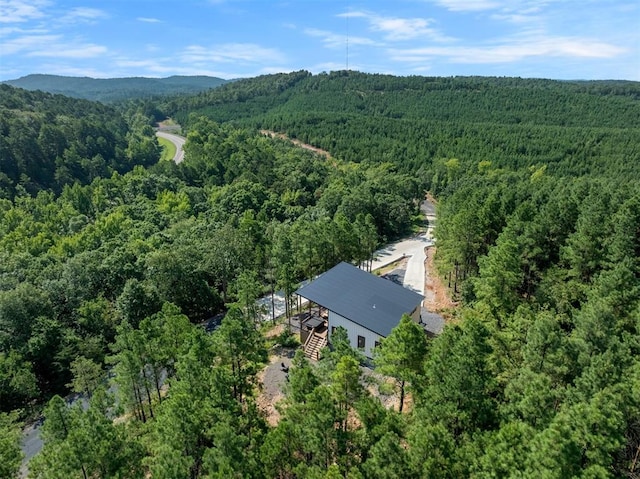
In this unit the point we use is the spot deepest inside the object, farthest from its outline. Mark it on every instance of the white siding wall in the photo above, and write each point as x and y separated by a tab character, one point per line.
354	330
416	313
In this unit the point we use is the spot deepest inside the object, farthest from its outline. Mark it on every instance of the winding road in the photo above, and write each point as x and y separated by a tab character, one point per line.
178	141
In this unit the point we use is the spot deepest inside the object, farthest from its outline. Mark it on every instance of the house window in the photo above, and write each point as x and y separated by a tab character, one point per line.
377	344
333	330
360	342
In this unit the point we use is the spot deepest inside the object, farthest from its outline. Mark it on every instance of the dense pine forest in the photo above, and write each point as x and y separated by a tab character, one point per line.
49	141
111	257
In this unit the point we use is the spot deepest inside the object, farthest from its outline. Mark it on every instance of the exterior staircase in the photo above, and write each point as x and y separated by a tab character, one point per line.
314	343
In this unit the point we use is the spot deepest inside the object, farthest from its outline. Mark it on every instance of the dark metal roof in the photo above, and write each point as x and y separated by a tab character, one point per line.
372	302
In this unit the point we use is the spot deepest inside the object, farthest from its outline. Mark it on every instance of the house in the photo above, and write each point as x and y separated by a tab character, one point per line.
367	306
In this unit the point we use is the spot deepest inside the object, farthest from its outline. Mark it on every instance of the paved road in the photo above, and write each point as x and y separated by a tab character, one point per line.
178	141
413	248
32	440
428	209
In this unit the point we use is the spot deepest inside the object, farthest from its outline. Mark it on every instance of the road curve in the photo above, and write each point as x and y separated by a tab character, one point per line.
178	141
411	248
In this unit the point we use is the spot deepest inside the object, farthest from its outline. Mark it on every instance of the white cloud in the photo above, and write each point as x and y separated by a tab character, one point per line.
402	28
52	46
336	40
512	17
89	50
153	67
512	11
27	43
272	70
84	12
148	20
231	52
421	70
166	66
398	29
83	15
6	31
154	64
15	11
467	5
45	39
514	50
162	70
325	67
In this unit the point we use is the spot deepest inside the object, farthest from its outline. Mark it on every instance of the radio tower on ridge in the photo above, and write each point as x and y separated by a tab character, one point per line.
347	42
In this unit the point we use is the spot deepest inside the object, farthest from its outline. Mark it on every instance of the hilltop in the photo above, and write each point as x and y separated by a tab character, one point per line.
108	90
417	122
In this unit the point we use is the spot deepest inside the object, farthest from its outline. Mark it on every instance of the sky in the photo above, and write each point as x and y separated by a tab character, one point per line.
558	39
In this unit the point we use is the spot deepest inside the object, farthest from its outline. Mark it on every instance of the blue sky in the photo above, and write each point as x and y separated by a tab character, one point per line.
562	39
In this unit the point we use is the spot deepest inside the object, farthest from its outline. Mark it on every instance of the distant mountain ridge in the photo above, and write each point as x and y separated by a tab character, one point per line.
109	90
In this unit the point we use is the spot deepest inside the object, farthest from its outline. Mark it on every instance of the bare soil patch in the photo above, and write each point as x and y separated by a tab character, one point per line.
437	296
275	331
272	380
306	146
272	383
386	390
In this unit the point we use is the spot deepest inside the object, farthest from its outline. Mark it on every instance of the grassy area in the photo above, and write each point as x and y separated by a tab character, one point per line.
168	149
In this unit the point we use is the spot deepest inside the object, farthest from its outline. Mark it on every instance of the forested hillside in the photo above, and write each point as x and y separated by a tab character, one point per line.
537	375
109	90
49	141
574	128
